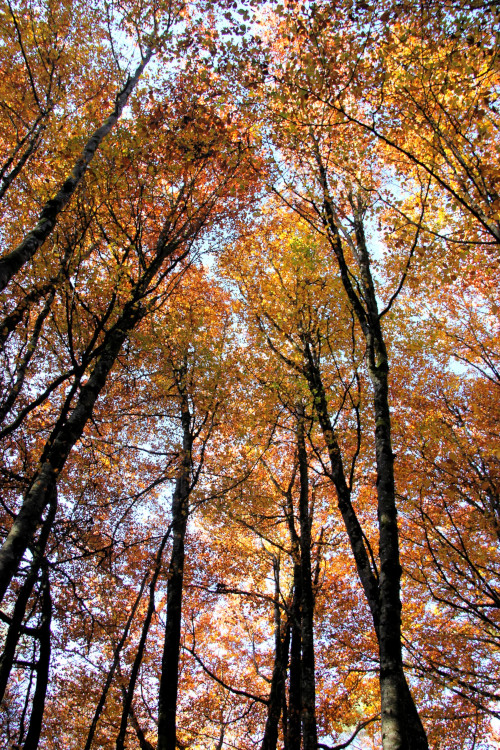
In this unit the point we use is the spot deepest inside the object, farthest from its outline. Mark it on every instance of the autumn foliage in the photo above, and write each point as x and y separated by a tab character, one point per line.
250	375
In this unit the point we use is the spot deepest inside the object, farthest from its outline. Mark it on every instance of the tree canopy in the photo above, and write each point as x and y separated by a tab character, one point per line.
250	375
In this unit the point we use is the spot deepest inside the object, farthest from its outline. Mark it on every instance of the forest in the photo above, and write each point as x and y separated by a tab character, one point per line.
250	374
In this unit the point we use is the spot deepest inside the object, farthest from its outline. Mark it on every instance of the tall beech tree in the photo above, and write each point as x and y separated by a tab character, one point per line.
330	161
287	304
192	358
141	269
380	582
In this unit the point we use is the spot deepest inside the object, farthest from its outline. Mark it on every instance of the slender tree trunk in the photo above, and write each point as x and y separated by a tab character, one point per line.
295	684
368	575
270	740
114	665
391	661
169	681
402	728
11	263
308	692
284	666
401	724
15	626
42	669
58	449
129	693
295	680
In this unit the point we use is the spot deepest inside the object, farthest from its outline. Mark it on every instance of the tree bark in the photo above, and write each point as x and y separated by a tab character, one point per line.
401	724
284	666
295	680
295	684
368	575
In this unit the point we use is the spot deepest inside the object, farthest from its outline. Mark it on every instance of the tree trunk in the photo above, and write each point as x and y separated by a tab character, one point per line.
270	740
169	681
284	665
58	449
11	263
294	689
15	626
401	725
129	693
42	669
368	575
308	688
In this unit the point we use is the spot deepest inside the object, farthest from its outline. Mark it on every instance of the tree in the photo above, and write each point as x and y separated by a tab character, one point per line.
139	267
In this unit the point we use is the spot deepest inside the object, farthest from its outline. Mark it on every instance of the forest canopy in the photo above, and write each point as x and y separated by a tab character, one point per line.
250	375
